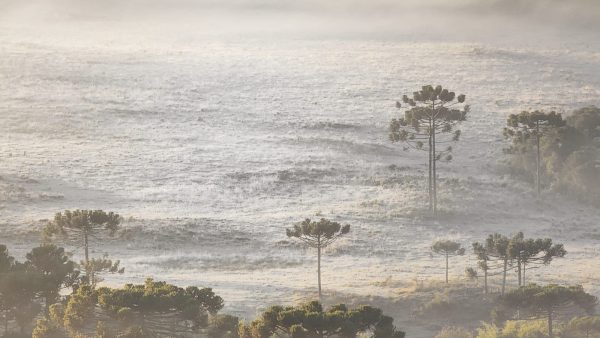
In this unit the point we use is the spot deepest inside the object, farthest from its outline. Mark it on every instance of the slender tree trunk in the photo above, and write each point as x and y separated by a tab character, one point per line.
550	332
434	171
485	285
519	270
523	273
446	268
504	275
430	168
88	273
319	267
537	137
86	247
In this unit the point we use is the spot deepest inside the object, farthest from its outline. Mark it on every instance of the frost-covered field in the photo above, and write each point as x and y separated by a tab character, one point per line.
211	149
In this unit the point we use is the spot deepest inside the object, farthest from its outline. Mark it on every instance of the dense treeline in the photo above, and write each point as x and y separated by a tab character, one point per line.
565	152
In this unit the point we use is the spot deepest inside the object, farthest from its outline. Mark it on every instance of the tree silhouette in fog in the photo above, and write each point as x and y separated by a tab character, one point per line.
319	235
447	249
483	259
81	226
429	123
531	252
526	127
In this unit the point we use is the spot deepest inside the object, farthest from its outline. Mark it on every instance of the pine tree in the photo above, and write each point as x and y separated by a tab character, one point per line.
429	122
318	235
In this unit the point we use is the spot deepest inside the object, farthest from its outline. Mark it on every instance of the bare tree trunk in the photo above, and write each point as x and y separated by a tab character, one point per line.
430	168
88	273
504	276
523	273
537	136
319	267
485	277
434	171
446	268
519	270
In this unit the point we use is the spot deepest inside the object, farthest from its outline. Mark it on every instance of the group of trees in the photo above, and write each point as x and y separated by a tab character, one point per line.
312	321
152	309
500	254
26	288
559	153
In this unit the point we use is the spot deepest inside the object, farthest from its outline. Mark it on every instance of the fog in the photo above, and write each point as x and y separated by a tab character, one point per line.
435	19
212	126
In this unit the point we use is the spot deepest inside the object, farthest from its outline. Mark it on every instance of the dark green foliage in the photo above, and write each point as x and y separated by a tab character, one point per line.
447	248
318	235
315	234
310	320
569	151
544	301
54	268
223	326
80	308
82	226
157	305
528	251
430	119
526	129
18	289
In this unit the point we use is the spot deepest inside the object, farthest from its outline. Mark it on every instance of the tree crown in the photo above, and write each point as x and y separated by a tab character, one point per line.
448	247
318	233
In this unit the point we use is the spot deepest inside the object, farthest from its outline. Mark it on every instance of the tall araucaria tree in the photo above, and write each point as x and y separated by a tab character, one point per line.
527	126
318	235
528	251
483	258
447	248
544	301
81	226
429	124
497	247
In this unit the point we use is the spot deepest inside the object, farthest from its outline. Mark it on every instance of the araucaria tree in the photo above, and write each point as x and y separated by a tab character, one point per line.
429	124
55	271
527	252
527	127
483	258
545	301
318	235
81	226
497	247
447	248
